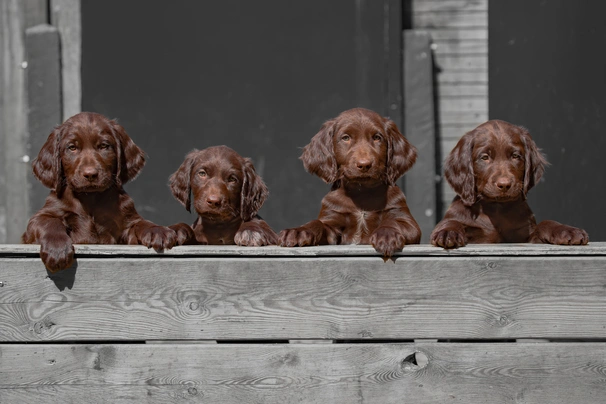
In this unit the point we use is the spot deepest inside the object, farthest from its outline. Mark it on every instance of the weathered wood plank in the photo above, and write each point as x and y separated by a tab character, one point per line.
421	6
113	251
466	63
451	19
464	118
454	46
439	34
341	373
36	12
419	119
14	120
462	90
44	99
305	298
65	15
462	77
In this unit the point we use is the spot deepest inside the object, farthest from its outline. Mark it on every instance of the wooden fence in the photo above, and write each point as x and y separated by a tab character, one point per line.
482	324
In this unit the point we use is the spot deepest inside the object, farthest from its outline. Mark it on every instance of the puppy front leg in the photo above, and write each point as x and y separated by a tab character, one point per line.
315	232
552	232
449	233
151	235
255	233
56	248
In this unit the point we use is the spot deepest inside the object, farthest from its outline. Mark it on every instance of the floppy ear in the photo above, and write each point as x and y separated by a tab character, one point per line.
47	166
319	157
180	181
401	155
535	162
131	158
254	192
458	169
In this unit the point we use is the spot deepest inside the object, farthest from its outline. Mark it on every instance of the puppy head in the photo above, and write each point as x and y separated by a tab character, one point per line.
88	153
359	145
497	161
224	184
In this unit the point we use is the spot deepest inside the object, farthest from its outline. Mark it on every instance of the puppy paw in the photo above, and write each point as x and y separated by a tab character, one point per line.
158	237
448	238
387	241
551	232
185	234
255	238
57	252
299	236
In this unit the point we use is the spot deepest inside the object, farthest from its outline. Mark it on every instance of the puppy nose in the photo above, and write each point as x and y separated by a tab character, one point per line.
90	173
214	200
504	183
364	164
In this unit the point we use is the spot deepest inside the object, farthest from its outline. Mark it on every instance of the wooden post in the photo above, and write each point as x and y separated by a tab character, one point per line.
419	128
14	120
44	97
65	15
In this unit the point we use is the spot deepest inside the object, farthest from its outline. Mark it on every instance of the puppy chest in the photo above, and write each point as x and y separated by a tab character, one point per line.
360	226
90	230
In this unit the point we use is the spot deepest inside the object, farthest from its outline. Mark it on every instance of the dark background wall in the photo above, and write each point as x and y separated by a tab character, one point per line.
260	77
547	72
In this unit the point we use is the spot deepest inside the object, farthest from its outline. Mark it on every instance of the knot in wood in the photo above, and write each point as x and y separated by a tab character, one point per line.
414	362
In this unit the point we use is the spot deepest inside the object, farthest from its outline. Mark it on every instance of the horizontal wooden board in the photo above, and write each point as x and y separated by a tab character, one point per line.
464	104
461	77
464	118
466	63
339	297
451	19
456	91
336	374
420	6
201	251
449	34
454	46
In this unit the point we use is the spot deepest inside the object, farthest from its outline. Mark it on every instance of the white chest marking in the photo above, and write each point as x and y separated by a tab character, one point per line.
361	227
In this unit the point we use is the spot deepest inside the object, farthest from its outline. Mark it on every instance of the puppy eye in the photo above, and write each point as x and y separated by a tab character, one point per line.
377	137
485	157
346	138
72	147
516	156
202	173
232	179
104	146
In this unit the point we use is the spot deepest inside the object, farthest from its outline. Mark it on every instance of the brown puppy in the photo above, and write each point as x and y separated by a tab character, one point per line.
227	194
85	161
362	155
491	169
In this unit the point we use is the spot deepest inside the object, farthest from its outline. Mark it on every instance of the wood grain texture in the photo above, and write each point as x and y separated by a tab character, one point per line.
357	297
422	250
14	130
433	6
282	373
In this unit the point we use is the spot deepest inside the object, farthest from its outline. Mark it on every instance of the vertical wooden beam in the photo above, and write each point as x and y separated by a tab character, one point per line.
66	16
419	127
14	119
44	97
36	12
392	42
